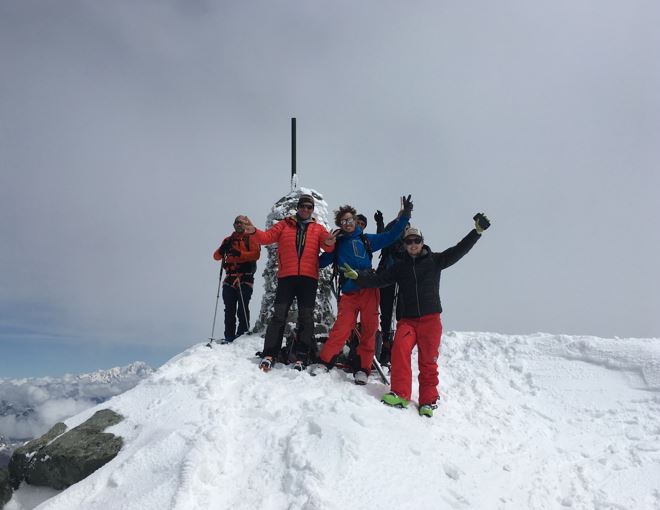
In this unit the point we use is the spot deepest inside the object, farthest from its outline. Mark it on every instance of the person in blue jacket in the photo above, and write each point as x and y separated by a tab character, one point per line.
355	248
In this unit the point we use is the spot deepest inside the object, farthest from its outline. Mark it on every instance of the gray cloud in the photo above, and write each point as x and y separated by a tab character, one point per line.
132	134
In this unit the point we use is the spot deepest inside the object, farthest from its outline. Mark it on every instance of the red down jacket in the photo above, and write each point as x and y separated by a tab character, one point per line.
298	246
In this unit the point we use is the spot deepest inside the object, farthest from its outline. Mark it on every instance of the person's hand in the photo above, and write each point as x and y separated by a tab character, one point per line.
248	226
225	247
378	217
406	206
332	238
481	222
349	272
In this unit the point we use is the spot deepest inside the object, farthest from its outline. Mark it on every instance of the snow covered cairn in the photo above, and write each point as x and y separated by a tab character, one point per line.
324	316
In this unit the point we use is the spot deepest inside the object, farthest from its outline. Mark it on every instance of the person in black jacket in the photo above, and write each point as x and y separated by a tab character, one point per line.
418	277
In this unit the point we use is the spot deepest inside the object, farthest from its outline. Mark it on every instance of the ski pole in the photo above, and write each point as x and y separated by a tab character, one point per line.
217	298
240	293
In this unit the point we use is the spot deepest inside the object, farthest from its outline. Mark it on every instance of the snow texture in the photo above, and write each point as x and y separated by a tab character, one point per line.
323	312
524	422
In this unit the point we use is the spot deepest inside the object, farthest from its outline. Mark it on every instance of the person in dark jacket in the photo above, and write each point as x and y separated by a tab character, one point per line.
299	239
355	248
418	277
239	254
361	221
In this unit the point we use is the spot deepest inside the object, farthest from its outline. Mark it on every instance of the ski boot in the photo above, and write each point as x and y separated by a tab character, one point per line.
266	364
299	366
318	368
360	377
393	400
427	410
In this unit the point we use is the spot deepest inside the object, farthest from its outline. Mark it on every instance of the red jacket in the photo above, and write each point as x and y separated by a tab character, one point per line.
243	265
298	250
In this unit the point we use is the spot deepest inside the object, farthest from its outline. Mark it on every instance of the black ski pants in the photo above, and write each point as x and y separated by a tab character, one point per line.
386	309
234	297
384	343
303	289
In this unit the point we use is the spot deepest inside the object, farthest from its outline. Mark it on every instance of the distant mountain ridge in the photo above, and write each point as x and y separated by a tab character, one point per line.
30	406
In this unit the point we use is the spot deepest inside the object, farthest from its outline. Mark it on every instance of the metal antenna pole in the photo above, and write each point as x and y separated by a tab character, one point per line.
294	178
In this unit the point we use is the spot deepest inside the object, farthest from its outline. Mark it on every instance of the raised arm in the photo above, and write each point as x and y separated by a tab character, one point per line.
452	255
380	224
386	238
270	236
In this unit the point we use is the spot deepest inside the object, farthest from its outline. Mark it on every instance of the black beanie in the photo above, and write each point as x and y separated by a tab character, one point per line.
305	199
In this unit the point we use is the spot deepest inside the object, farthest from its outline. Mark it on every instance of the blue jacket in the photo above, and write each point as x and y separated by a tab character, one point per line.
351	250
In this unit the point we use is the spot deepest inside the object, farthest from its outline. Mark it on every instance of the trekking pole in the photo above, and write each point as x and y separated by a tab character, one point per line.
217	298
381	373
394	305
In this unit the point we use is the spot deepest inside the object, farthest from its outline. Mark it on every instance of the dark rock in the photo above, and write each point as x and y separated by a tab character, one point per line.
60	458
23	455
5	487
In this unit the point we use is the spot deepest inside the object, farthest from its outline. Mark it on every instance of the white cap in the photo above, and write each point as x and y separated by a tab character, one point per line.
413	231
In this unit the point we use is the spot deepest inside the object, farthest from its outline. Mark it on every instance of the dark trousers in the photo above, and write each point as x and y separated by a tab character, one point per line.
303	289
231	296
383	347
386	309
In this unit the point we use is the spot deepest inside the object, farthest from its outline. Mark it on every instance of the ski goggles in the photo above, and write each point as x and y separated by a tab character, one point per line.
413	240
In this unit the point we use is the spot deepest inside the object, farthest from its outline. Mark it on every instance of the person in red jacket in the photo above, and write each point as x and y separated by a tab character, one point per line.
299	240
239	254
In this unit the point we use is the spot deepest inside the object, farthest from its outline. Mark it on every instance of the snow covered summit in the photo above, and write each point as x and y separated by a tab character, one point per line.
524	422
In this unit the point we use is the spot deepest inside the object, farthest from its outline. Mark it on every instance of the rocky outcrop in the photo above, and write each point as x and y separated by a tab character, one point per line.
5	487
61	458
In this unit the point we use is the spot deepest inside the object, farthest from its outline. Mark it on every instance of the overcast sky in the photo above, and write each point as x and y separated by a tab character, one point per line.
132	133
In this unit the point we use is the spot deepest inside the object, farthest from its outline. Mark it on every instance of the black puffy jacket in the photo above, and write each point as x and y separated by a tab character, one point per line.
419	277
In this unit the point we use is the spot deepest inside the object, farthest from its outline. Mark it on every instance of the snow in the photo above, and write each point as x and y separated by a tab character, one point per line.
524	422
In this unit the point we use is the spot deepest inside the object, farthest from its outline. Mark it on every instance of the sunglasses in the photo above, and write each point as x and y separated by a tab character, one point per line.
347	221
415	240
309	207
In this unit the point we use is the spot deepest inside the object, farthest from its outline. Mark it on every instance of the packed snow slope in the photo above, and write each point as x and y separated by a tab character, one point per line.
524	422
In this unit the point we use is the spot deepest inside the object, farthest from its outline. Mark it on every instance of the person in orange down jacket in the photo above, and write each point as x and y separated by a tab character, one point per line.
239	254
299	239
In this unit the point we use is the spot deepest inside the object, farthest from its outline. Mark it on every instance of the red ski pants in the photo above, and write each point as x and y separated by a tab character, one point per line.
425	332
365	302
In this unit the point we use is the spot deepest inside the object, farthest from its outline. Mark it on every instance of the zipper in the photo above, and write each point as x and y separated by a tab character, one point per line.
419	310
301	234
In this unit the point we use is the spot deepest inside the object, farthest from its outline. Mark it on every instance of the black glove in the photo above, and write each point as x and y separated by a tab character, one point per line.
407	205
378	217
225	247
481	222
